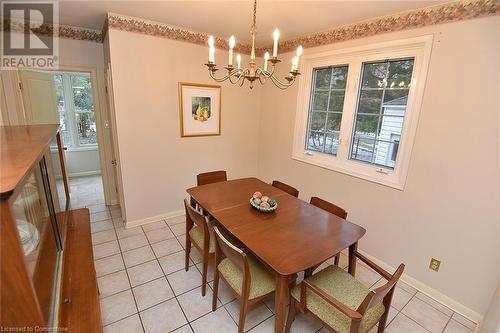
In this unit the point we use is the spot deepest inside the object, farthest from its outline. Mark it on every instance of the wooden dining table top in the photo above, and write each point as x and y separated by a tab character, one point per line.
293	238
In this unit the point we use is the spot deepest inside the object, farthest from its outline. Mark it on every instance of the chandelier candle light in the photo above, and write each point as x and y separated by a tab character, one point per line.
252	73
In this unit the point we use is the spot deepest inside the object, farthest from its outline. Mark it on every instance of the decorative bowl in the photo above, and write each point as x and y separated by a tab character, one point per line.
263	210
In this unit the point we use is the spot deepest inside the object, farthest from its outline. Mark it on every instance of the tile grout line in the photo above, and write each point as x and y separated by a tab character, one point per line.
130	283
170	286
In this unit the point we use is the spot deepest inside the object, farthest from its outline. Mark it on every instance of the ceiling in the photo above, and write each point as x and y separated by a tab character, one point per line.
223	18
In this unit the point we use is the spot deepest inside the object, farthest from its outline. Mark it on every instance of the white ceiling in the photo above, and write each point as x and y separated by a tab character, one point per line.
223	18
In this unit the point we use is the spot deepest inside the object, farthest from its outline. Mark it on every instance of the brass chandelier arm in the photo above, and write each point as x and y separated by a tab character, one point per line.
280	84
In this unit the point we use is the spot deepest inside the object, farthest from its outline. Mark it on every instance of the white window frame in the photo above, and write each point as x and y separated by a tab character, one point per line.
418	48
70	112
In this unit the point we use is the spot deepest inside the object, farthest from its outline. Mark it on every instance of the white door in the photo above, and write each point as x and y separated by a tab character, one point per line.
39	97
40	107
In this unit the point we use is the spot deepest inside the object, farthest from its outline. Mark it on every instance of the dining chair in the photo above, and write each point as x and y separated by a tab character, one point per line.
211	177
335	210
200	233
208	178
245	275
285	187
342	303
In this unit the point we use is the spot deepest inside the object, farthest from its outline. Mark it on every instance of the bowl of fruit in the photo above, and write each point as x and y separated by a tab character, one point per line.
263	203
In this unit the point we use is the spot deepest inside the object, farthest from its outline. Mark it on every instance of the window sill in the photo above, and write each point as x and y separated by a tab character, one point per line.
365	172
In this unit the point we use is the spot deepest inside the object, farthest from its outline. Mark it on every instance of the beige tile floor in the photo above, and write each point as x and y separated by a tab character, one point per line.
86	191
144	287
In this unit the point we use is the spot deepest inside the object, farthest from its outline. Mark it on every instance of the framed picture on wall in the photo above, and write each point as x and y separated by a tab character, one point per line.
199	109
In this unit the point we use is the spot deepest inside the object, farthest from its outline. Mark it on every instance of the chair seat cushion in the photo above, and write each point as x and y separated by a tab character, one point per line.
196	234
262	281
345	288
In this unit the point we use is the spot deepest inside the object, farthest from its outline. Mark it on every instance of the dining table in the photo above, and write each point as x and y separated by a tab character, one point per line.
293	238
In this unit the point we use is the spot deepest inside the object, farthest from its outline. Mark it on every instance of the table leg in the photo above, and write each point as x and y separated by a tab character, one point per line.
281	300
352	259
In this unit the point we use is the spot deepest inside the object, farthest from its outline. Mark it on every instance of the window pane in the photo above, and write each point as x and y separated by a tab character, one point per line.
374	75
323	78
333	122
336	100
320	101
332	143
63	126
315	141
318	120
380	111
327	95
370	101
399	75
84	109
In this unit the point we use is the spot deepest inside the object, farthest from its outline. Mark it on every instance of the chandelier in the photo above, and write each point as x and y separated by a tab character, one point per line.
238	75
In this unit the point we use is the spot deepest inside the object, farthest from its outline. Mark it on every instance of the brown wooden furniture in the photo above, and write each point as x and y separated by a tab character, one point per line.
285	187
329	207
370	307
200	234
293	238
211	177
241	271
335	210
37	225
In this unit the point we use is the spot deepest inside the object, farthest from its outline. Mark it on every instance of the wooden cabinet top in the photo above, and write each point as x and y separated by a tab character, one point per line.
20	147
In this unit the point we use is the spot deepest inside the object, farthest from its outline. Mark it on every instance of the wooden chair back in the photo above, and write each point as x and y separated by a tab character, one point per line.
211	177
329	207
382	293
285	187
194	217
225	249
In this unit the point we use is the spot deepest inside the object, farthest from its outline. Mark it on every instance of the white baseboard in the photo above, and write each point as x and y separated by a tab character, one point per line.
83	174
429	291
135	223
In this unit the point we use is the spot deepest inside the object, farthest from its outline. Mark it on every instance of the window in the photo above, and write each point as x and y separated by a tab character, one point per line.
381	106
358	109
76	109
326	107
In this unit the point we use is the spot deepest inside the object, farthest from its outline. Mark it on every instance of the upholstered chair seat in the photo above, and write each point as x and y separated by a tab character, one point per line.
196	234
262	281
344	287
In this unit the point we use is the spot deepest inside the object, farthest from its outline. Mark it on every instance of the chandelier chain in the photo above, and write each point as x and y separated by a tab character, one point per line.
254	15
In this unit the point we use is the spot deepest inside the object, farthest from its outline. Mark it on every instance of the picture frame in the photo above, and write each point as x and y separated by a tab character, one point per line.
199	109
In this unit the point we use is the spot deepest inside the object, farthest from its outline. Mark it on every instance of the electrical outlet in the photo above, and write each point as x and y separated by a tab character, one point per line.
434	265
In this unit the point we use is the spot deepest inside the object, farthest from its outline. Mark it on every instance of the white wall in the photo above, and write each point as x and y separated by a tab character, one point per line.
449	208
81	162
157	165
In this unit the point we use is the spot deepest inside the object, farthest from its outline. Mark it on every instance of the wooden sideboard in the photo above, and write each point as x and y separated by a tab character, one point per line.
47	279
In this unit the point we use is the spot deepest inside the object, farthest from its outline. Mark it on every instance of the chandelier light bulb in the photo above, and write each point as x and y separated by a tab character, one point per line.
299	51
266	58
295	63
276	34
238	60
232	42
211	41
